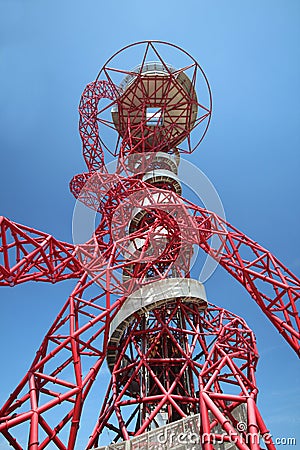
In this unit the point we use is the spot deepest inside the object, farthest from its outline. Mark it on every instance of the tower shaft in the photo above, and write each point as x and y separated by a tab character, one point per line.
181	370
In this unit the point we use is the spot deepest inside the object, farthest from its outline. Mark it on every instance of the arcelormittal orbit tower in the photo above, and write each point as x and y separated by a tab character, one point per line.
181	370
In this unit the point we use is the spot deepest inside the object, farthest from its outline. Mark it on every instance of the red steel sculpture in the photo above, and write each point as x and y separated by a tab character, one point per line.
174	358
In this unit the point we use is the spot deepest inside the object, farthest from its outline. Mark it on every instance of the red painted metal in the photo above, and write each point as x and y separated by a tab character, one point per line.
63	371
213	352
88	125
200	362
27	254
271	285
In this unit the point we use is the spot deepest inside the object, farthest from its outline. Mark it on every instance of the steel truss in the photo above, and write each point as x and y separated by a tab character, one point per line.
189	361
30	255
146	234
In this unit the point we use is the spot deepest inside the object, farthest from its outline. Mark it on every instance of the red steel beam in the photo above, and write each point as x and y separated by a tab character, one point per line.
30	255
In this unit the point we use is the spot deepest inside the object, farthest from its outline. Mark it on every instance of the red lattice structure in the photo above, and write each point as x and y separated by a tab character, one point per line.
135	309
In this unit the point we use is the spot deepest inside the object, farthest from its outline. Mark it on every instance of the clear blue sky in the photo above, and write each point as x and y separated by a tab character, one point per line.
250	52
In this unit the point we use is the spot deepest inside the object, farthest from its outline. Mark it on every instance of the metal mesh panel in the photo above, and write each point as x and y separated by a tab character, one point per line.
174	435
